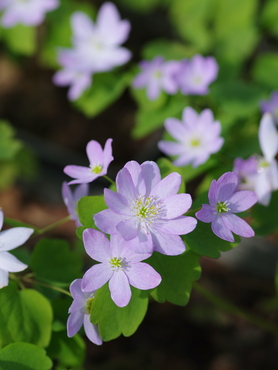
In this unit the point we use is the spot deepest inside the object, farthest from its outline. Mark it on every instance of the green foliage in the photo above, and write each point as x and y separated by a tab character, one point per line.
170	50
178	272
20	39
112	320
265	67
24	356
87	207
264	219
269	16
142	6
25	316
9	145
54	262
105	89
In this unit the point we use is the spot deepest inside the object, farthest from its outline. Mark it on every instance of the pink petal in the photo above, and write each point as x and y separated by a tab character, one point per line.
120	289
268	137
96	245
4	278
80	173
238	226
176	205
91	331
175	128
94	153
168	186
221	230
10	263
206	214
168	244
12	238
143	276
242	200
107	221
74	323
179	226
96	277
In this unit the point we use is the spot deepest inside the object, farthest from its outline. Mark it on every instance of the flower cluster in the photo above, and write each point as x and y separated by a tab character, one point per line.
191	77
96	48
260	173
197	136
27	12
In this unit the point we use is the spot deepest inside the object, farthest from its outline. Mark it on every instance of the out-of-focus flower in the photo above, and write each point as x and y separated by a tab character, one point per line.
197	137
247	170
120	265
11	239
79	311
271	106
157	75
147	209
224	201
99	161
26	12
71	199
197	74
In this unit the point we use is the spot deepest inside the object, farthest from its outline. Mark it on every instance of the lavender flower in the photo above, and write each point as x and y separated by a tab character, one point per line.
271	106
71	199
224	201
247	170
197	137
99	162
11	239
26	12
157	75
80	310
120	265
196	75
147	209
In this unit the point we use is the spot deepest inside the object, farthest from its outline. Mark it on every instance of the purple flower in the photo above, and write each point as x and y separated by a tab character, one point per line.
71	199
80	310
197	137
147	209
77	80
11	239
224	201
271	106
247	170
196	75
26	12
157	75
120	265
99	162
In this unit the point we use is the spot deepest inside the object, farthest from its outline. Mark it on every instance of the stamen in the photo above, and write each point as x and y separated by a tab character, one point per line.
88	304
222	207
97	169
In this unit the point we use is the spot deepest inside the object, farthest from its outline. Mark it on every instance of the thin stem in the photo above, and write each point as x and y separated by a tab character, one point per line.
108	179
27	280
52	226
193	211
254	319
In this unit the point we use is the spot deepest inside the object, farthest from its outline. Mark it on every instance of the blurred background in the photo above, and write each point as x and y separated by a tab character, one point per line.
41	132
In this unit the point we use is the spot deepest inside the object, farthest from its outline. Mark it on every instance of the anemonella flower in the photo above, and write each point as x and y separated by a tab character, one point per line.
71	198
197	137
26	12
79	311
147	209
11	239
271	106
96	48
120	264
157	75
99	162
247	170
197	74
224	202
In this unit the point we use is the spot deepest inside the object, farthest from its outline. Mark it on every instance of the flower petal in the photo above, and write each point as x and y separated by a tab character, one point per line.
268	137
117	202
143	276
168	186
206	214
125	186
127	228
91	330
242	200
120	289
175	128
10	263
80	173
1	219
94	153
179	226
150	174
225	186
96	245
107	153
96	277
74	323
168	244
107	221
177	204
12	238
4	278
238	226
220	229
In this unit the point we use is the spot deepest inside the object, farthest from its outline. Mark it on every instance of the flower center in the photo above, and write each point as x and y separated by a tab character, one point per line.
147	210
195	142
262	165
157	74
88	304
222	207
97	169
197	80
118	263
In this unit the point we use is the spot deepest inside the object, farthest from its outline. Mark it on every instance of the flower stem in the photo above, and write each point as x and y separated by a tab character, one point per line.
52	226
228	307
31	281
108	179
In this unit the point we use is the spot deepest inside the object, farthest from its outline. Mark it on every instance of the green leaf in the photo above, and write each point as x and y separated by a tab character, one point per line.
112	320
9	146
69	352
178	273
142	6
264	219
105	89
205	243
148	121
54	262
170	50
265	67
87	207
20	39
24	356
25	316
269	16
